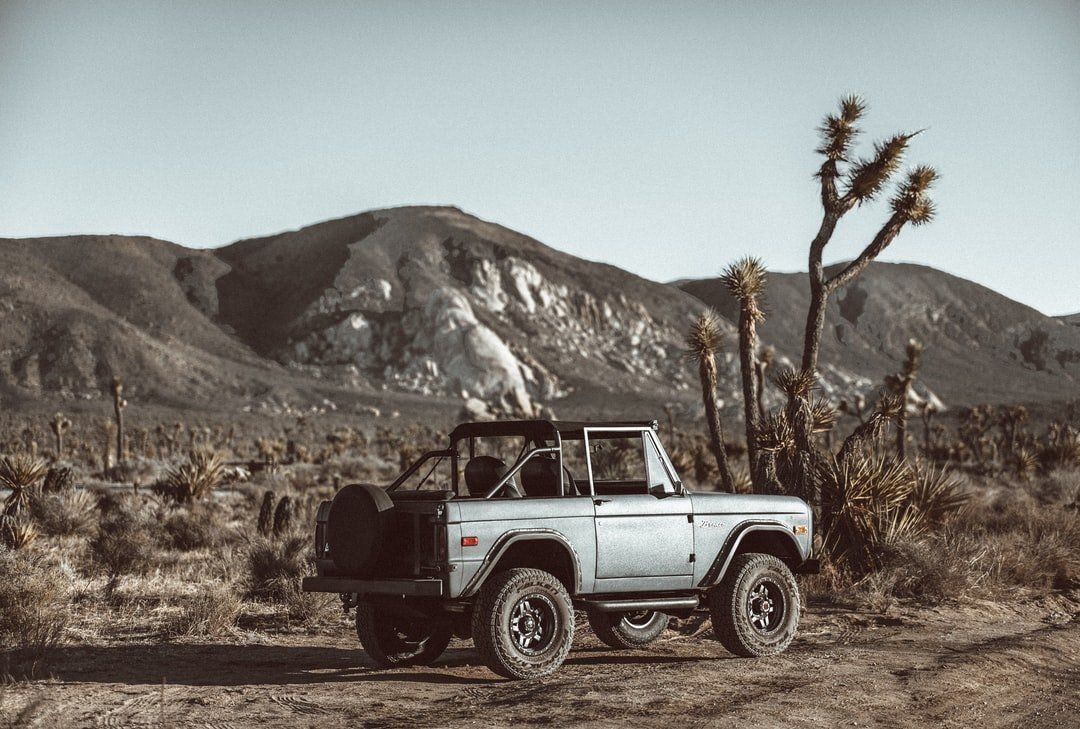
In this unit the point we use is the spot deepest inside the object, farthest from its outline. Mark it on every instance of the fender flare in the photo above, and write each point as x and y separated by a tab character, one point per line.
504	542
720	564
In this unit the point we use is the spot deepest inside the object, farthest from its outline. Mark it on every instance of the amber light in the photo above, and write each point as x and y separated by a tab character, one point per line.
800	528
469	541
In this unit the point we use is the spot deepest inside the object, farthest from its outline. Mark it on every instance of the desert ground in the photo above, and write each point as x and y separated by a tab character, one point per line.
983	664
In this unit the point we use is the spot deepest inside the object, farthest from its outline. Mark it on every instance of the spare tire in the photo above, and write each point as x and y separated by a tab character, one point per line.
359	522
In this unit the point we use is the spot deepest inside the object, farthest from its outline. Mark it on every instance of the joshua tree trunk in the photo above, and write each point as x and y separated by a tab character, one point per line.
716	428
748	366
745	279
119	403
703	340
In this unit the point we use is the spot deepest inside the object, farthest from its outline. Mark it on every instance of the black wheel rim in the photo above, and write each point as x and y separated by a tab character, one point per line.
640	619
534	621
766	606
404	636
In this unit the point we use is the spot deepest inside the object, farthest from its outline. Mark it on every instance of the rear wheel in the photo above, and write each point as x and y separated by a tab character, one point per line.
523	623
755	608
394	640
628	630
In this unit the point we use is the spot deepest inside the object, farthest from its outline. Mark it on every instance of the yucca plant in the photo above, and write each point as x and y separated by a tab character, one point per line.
17	532
702	342
196	478
60	425
20	473
745	280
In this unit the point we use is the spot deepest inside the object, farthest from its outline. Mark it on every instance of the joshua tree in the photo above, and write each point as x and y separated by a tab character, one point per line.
860	180
60	425
702	342
119	403
888	407
900	385
745	279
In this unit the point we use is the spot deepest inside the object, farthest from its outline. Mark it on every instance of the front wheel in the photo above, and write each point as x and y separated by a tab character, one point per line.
628	630
755	608
394	640
523	623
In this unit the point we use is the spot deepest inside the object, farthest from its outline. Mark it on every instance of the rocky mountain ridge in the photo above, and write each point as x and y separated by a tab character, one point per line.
431	306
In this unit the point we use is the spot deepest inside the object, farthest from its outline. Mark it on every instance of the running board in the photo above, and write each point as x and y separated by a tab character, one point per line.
655	603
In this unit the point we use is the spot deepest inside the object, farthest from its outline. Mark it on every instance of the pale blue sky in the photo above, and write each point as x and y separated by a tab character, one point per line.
666	138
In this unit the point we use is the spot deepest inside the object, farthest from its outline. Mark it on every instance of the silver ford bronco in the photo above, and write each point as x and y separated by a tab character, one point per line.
504	534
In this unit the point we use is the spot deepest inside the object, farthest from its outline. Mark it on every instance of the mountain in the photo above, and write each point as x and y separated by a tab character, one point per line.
980	345
426	301
423	309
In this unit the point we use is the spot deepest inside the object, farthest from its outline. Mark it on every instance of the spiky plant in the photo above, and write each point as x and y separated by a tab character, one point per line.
17	532
702	342
745	280
20	473
193	480
900	385
888	406
935	493
60	425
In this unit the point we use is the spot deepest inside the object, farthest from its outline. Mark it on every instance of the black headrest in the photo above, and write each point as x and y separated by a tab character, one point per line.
482	473
540	476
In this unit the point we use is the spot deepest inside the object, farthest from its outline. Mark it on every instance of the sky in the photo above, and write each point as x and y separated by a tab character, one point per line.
665	138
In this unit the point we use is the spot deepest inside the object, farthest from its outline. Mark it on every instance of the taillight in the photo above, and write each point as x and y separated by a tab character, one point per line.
469	541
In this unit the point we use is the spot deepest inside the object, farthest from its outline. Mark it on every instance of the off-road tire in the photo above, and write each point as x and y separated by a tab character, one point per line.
730	605
499	600
627	630
378	628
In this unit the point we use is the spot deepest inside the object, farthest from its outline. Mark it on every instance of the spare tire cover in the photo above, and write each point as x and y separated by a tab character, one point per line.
358	524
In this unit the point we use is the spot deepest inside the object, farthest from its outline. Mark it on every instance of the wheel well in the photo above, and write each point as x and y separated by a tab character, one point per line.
542	554
770	541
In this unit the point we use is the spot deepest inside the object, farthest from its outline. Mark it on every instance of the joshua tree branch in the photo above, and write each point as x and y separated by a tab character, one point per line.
881	241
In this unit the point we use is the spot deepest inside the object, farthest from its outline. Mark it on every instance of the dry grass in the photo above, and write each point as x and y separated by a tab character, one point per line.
34	611
211	612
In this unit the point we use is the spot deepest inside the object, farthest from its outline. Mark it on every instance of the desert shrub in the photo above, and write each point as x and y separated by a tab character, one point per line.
198	527
274	565
210	612
58	480
194	479
33	614
62	513
126	542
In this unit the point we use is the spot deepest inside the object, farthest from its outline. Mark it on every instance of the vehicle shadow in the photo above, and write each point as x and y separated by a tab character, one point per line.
243	665
186	664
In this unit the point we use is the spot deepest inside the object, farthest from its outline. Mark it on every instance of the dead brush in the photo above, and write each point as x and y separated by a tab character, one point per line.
34	613
211	612
275	566
65	513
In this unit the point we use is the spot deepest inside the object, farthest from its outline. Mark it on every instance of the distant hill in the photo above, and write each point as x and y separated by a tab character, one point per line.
426	307
980	345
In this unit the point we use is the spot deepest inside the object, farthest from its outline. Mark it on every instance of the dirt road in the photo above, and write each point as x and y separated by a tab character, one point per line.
985	665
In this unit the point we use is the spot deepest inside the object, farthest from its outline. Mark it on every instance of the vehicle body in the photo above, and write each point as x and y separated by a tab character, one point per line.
591	516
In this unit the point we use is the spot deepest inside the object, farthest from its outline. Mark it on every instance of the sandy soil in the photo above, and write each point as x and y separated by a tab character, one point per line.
981	665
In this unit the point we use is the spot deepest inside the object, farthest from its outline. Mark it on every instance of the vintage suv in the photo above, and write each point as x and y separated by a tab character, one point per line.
517	524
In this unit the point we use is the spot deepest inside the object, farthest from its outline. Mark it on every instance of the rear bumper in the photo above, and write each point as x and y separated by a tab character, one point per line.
404	588
808	567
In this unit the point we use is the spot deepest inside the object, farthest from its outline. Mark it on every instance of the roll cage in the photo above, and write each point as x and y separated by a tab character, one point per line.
541	437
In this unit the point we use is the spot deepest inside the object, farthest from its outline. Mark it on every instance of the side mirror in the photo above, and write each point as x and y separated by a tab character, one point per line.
661	490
